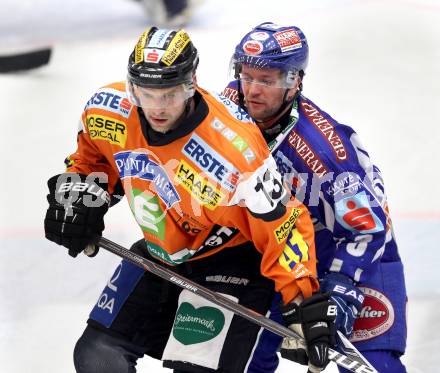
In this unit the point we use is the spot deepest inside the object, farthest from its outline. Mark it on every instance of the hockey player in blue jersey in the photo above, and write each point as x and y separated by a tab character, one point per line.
331	172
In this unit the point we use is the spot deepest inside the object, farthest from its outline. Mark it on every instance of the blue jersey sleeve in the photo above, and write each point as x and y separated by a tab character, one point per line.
354	208
330	170
346	196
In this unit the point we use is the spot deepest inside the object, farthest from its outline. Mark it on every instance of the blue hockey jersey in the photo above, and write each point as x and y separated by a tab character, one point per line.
328	169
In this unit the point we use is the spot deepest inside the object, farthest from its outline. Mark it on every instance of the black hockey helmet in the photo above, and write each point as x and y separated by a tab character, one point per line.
163	58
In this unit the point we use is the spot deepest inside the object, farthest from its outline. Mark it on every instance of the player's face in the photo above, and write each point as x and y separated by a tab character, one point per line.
263	95
162	106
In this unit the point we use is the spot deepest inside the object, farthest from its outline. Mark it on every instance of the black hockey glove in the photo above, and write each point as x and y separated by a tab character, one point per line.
313	319
347	297
77	205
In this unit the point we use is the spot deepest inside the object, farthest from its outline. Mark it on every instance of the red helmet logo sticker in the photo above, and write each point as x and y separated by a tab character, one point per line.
253	47
288	40
376	317
153	55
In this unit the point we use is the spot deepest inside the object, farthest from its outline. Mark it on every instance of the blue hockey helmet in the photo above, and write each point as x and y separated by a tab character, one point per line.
271	46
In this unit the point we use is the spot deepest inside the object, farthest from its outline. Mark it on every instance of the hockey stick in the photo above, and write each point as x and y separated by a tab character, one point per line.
25	60
352	360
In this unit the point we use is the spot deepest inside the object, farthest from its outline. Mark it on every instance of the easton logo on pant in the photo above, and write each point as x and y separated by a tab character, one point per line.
195	325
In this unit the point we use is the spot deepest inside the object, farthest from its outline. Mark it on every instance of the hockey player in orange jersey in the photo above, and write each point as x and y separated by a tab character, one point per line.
206	194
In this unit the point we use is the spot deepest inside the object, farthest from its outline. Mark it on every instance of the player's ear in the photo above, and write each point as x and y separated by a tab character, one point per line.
195	80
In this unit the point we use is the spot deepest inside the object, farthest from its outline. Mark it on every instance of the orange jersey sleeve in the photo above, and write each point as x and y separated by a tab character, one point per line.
96	124
288	249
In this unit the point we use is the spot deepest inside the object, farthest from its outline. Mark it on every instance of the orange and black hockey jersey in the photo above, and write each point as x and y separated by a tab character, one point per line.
192	188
